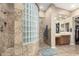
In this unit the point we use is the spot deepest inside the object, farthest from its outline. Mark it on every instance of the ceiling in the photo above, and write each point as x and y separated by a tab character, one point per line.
43	6
67	6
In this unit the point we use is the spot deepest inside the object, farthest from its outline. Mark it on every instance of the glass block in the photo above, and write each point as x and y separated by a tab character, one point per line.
30	23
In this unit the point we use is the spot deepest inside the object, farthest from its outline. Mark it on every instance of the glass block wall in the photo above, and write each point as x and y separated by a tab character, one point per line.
30	23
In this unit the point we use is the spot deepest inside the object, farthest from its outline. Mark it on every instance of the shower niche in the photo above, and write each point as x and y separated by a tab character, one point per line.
2	25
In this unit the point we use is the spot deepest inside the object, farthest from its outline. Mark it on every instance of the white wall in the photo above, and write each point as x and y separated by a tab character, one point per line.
53	31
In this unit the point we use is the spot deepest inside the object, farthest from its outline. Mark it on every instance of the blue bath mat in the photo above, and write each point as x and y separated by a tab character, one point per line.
48	52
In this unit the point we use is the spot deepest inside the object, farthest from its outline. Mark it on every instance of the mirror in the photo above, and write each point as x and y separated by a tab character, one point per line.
57	27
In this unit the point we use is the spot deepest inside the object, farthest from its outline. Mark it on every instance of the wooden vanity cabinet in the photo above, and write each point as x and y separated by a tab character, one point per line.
63	40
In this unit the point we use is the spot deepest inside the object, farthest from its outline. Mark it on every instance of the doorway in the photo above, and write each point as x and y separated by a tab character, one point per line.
44	34
77	34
